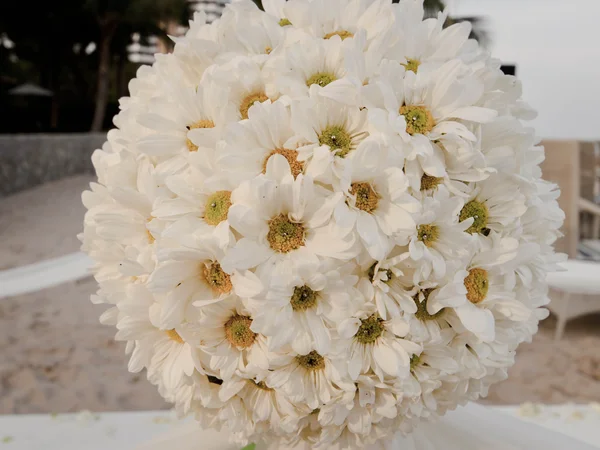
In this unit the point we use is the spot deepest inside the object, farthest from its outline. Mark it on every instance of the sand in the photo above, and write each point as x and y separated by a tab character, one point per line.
56	357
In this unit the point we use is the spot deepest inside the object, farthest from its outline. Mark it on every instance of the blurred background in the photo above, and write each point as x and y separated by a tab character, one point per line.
63	66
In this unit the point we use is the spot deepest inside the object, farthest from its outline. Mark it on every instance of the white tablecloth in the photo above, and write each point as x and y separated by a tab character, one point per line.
124	431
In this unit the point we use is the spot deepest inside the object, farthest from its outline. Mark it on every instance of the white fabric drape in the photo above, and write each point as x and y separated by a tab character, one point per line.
472	427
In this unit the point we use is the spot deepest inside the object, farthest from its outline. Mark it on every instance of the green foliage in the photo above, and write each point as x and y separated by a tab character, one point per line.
250	447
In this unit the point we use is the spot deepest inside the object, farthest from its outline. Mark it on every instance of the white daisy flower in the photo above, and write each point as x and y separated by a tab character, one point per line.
439	236
434	302
242	92
246	30
343	18
189	119
227	336
429	108
314	62
283	220
165	353
312	379
264	403
298	309
200	203
189	275
329	132
415	42
373	402
377	203
250	143
493	205
384	285
377	345
486	294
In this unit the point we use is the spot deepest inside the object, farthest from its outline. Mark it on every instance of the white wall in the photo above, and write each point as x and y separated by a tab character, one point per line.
556	47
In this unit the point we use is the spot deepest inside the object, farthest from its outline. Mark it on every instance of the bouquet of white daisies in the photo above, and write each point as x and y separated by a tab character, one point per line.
322	223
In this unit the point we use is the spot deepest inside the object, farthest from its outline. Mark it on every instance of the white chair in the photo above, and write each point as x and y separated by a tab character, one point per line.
579	292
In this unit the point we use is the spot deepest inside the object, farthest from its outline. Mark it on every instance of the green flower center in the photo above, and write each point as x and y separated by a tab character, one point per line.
371	273
418	119
217	207
412	65
415	360
366	197
344	34
285	235
219	281
200	124
370	329
422	313
428	182
238	332
303	298
313	361
479	212
321	78
428	234
174	336
338	140
292	158
477	285
250	100
284	22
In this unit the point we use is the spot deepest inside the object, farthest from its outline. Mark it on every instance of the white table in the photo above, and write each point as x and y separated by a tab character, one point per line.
125	431
578	289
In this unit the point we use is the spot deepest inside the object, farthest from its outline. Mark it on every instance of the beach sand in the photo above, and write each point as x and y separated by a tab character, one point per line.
56	357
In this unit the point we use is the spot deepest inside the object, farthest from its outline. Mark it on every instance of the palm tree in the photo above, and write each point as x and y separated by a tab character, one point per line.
115	17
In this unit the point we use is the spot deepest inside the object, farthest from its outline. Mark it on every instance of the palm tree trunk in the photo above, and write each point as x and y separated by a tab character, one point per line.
108	27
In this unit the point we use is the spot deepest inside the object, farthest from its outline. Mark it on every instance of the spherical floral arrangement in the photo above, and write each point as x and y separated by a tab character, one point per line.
322	223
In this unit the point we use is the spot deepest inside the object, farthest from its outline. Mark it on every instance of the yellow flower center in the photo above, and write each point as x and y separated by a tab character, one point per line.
174	336
217	207
238	332
285	235
268	50
284	22
303	298
313	361
479	212
292	158
415	360
219	281
344	34
366	197
428	182
338	140
422	313
428	234
412	65
250	100
477	285
321	78
200	124
418	119
370	329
